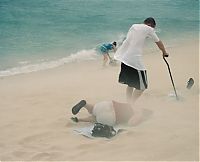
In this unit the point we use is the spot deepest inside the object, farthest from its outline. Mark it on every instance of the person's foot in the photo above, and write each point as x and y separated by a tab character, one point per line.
78	106
190	83
74	119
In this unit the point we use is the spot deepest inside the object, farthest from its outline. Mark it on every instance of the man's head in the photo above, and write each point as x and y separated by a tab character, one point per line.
150	22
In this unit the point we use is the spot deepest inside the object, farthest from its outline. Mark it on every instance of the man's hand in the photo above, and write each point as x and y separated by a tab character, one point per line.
165	54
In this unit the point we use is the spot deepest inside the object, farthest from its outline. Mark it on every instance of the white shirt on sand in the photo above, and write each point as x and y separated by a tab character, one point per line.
130	52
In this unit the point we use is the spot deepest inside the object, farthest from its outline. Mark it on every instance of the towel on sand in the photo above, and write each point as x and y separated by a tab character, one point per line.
87	130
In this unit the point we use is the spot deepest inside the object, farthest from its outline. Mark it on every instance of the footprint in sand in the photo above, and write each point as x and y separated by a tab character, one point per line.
35	139
41	156
21	154
46	156
85	146
2	145
69	124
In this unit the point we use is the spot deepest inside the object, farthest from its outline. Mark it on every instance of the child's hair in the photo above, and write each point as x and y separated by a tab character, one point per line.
114	43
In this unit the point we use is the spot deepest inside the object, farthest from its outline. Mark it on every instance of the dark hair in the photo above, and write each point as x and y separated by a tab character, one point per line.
151	21
114	43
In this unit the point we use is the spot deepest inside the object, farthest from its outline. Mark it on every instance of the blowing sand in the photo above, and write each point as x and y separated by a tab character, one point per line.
35	111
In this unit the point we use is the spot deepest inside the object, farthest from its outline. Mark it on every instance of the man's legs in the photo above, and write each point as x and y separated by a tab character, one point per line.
131	95
136	95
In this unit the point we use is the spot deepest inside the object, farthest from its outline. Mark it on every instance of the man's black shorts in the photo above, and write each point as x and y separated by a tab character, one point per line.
132	77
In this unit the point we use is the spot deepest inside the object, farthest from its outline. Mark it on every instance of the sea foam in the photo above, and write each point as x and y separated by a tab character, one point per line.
83	55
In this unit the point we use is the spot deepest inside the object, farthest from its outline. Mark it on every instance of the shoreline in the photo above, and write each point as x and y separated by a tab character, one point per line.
61	62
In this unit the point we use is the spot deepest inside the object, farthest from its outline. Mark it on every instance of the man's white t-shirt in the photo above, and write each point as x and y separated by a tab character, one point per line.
130	52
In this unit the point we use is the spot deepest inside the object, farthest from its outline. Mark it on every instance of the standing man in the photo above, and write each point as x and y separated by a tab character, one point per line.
133	73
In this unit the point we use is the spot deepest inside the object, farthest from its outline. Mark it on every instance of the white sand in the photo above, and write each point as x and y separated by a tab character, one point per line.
36	107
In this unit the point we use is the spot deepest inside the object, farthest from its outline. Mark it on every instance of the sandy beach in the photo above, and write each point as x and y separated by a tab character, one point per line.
36	109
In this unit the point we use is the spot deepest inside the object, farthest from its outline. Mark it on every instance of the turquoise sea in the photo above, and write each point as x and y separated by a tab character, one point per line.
42	34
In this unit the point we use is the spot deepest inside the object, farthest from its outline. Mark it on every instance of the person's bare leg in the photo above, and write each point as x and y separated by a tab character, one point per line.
89	108
136	94
105	59
129	93
82	104
136	118
87	119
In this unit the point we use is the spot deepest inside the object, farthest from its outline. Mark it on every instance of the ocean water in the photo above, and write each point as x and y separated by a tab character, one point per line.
41	34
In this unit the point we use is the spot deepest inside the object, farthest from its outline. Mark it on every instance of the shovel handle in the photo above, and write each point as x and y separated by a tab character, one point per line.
171	77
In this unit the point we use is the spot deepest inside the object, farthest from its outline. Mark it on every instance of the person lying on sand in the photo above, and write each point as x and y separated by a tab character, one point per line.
108	112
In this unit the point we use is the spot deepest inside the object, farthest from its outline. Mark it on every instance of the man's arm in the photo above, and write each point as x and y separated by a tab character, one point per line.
162	48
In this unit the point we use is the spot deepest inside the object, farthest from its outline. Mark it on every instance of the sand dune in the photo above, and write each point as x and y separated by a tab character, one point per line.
36	108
